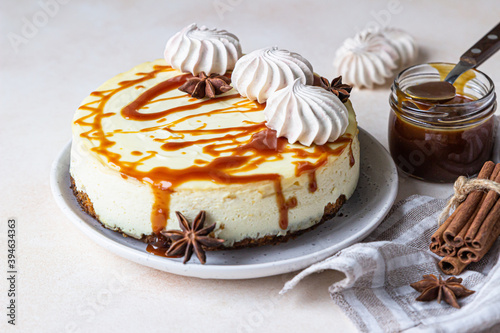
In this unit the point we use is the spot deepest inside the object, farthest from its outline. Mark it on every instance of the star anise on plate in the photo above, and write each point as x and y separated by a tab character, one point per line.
206	86
341	90
192	237
433	288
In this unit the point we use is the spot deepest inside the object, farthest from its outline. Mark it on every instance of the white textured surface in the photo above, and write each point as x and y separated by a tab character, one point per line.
67	283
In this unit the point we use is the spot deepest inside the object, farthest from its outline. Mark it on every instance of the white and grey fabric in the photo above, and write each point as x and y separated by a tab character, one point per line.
376	293
496	149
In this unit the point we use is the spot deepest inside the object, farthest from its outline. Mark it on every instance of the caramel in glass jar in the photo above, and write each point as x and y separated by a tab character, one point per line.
439	142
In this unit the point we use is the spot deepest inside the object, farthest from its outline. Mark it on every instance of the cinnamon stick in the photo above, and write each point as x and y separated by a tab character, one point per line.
460	238
489	201
451	265
489	230
467	255
468	207
447	250
435	247
437	239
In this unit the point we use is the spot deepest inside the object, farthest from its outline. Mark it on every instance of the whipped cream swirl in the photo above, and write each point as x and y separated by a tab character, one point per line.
196	50
307	114
366	59
259	74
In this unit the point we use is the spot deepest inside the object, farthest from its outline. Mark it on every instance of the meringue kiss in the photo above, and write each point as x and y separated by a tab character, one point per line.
260	73
404	44
307	114
195	50
366	60
372	56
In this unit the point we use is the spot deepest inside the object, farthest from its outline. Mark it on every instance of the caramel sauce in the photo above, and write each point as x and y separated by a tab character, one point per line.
352	160
405	101
159	251
234	150
313	185
440	155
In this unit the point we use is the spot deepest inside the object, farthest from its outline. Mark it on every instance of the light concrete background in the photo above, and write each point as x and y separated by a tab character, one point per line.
52	56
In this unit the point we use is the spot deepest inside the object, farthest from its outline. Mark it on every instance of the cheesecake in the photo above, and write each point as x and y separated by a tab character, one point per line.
143	149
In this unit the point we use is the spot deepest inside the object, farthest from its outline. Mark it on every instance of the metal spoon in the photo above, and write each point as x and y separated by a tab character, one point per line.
442	91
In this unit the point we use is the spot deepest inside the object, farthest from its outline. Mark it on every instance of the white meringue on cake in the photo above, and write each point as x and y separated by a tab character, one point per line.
366	59
197	50
262	72
307	114
404	44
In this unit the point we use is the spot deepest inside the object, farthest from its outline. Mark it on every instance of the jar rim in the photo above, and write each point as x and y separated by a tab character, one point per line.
491	88
439	114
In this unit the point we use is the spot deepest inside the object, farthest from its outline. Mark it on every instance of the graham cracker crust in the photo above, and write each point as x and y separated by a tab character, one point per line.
329	212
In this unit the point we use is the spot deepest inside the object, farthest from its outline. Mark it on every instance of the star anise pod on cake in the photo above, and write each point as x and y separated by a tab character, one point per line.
191	237
206	86
341	90
433	288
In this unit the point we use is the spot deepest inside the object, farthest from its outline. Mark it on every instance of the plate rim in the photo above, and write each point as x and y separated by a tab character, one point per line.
217	271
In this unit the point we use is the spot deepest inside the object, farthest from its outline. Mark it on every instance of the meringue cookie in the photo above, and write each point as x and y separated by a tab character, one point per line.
404	44
197	50
307	114
366	59
262	72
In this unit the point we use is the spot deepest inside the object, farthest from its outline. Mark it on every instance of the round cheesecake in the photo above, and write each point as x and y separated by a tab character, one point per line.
142	150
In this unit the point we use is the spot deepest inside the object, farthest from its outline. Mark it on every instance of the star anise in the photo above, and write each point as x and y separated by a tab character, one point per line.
341	90
433	288
192	237
206	86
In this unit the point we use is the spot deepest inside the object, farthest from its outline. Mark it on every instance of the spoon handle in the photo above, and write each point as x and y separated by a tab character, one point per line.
484	48
477	54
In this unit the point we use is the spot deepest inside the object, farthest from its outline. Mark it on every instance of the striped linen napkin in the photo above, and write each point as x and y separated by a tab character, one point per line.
376	293
496	149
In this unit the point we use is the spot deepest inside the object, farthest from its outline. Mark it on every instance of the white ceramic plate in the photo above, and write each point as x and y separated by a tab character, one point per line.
361	214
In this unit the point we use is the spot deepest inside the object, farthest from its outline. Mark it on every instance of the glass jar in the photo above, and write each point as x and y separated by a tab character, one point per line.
439	142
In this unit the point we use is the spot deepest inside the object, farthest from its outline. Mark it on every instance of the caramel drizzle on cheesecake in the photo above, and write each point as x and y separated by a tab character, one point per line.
234	150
